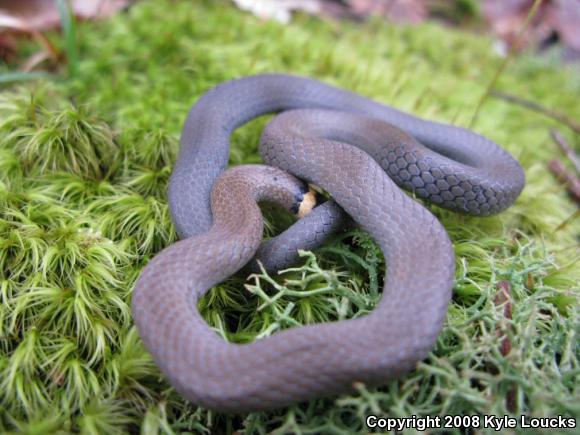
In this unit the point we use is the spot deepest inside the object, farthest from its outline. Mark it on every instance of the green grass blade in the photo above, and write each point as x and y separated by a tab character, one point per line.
12	77
68	23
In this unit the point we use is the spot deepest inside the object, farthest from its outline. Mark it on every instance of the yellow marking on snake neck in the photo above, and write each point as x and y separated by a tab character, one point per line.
307	203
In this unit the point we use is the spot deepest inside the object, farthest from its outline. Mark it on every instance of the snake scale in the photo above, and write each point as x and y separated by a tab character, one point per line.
360	152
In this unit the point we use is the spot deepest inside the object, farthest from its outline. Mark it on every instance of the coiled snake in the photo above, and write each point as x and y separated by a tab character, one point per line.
357	150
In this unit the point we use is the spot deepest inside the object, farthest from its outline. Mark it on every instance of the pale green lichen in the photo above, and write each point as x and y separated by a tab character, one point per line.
84	165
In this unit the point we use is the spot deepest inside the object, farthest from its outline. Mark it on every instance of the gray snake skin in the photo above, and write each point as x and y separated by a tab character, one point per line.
358	151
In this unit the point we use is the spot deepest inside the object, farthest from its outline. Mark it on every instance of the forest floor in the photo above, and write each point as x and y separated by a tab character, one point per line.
84	164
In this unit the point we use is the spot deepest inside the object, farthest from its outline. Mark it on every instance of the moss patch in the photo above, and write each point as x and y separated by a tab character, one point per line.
84	164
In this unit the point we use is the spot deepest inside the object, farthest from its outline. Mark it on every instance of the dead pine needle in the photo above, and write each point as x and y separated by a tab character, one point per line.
503	298
567	178
566	149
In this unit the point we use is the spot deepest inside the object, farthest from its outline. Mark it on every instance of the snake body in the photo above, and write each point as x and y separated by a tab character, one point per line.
358	151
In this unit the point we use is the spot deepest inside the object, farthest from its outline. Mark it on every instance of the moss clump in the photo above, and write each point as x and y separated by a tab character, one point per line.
84	164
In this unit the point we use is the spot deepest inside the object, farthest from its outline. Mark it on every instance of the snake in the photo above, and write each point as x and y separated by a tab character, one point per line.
362	153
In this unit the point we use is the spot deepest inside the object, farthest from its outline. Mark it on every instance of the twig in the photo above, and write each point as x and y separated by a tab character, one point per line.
564	176
531	15
558	116
566	149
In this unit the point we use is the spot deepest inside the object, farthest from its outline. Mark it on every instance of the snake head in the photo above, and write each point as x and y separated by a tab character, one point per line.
260	183
279	184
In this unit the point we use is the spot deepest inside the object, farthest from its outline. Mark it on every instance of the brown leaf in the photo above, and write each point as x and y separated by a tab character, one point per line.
30	18
407	11
11	26
43	14
560	17
506	18
567	22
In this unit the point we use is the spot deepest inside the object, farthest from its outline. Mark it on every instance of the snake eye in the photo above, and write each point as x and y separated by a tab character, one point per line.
296	206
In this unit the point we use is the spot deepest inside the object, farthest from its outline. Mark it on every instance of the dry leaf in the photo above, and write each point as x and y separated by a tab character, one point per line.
31	17
559	17
10	26
567	22
43	14
398	11
279	10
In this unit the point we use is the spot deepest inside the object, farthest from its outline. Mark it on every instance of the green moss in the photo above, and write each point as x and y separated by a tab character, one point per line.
84	164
